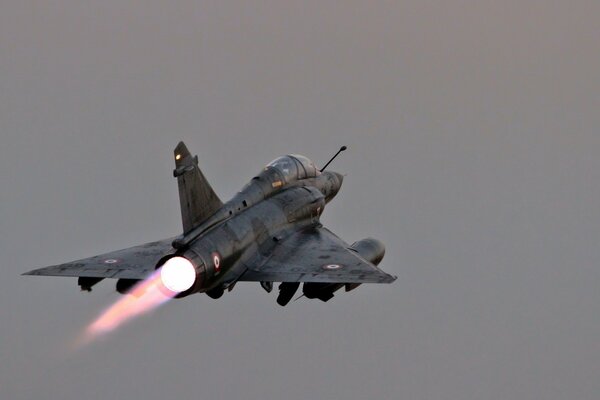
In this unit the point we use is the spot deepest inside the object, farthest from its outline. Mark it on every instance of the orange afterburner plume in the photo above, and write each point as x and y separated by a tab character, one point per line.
164	284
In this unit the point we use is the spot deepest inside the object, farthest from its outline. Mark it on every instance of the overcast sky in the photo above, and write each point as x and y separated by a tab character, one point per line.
473	130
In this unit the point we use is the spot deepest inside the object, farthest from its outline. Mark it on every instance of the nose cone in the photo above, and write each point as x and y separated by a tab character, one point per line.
331	185
340	179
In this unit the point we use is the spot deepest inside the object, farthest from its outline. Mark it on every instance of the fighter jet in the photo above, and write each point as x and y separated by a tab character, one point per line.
268	232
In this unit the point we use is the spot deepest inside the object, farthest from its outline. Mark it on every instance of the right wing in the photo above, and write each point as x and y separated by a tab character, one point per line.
136	262
315	255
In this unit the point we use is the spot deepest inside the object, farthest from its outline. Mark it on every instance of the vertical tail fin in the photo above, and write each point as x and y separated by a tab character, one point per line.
197	198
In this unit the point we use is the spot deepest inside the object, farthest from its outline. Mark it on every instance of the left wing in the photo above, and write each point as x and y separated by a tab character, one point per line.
315	255
136	262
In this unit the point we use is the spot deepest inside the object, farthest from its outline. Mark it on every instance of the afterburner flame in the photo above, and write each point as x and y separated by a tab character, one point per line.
149	294
178	274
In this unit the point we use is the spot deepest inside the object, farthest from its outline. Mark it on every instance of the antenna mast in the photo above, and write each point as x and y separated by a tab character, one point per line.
332	158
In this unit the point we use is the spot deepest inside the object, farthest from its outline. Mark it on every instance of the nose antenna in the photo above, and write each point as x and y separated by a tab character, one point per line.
332	158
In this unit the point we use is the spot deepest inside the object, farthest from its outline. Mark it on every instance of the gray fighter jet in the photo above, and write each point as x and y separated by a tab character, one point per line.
268	232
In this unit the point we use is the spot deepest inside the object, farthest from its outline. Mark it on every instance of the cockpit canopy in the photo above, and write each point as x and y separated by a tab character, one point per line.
294	167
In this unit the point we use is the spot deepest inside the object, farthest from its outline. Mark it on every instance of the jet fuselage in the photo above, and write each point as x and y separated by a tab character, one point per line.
246	228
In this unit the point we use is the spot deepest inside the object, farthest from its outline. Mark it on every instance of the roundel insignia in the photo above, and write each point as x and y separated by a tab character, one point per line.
216	258
111	261
332	267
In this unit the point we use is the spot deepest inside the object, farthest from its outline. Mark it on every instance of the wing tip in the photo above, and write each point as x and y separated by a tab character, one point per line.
387	278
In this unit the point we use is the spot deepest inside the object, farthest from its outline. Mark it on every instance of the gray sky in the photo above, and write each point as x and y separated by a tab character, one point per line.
473	130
